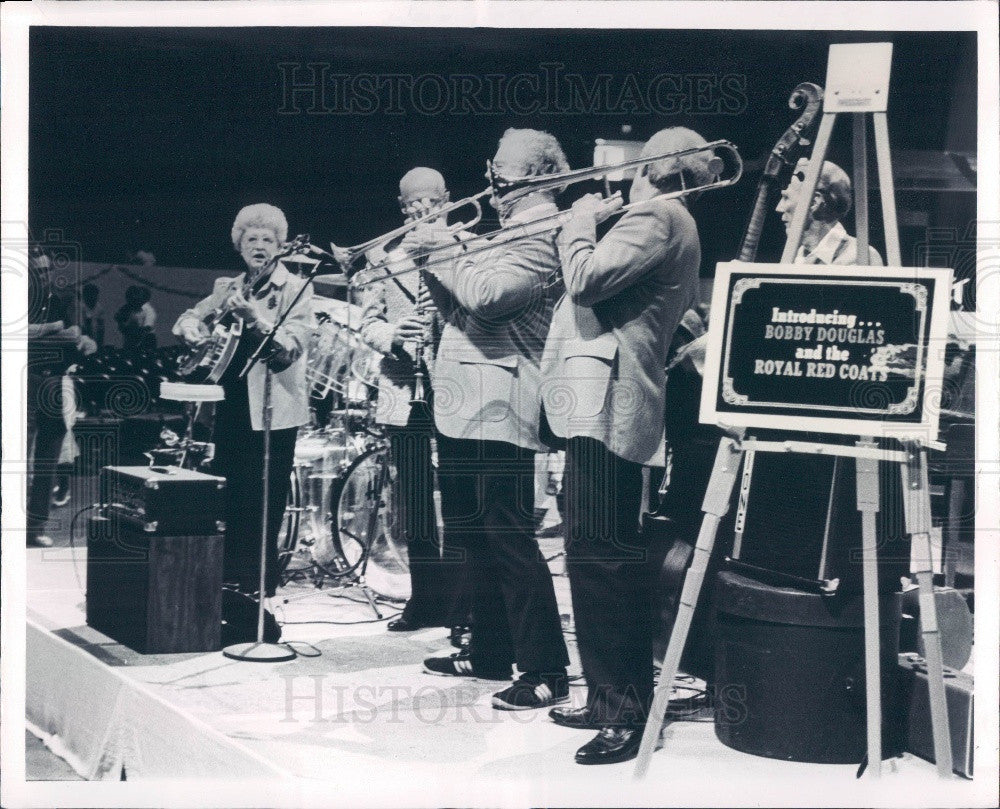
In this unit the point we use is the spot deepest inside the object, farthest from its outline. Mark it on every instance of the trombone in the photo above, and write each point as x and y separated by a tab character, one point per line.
347	257
717	166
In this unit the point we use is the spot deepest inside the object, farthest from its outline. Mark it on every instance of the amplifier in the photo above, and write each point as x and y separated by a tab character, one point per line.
165	500
916	712
156	594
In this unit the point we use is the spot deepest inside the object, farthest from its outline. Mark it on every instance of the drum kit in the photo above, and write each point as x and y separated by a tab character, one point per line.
340	523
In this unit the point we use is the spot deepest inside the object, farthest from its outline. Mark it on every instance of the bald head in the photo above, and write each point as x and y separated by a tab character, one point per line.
421	183
835	187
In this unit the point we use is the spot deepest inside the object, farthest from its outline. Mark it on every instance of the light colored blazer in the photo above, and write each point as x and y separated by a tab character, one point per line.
384	305
497	307
603	366
289	391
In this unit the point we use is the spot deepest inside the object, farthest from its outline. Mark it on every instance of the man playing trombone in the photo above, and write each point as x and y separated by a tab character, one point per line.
397	323
604	391
497	307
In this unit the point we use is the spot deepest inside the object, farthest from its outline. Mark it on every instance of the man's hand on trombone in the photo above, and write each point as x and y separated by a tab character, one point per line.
425	238
600	208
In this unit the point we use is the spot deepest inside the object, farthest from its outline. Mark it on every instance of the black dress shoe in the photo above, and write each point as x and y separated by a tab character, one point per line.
573	718
610	746
402	624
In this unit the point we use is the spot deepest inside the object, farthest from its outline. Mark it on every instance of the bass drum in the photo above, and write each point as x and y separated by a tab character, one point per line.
366	528
322	457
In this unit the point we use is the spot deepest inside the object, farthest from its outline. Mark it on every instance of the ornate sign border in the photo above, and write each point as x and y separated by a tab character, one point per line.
726	297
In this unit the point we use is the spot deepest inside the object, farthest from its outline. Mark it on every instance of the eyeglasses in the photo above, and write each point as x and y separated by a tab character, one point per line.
495	172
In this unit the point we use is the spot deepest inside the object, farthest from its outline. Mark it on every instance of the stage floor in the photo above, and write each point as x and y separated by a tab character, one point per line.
355	714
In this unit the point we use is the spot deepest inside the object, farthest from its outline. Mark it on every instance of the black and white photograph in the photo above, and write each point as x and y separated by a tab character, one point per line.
500	404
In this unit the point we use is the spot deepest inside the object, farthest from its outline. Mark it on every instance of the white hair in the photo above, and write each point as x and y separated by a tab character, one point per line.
260	215
674	139
542	152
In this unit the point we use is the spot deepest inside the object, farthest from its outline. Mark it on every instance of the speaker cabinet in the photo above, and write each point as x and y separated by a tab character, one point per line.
153	593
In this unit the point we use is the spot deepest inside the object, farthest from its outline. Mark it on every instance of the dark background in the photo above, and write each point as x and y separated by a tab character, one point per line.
153	138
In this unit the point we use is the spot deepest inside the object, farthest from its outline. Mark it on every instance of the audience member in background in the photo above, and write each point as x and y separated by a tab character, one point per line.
145	258
92	314
136	320
53	345
69	450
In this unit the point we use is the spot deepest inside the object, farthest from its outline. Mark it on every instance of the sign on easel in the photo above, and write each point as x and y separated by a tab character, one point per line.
847	350
842	350
857	77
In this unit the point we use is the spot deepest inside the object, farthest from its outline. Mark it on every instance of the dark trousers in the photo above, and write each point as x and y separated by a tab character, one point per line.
439	591
487	499
46	430
611	581
239	457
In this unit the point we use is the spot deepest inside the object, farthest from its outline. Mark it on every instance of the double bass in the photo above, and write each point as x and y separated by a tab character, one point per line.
698	651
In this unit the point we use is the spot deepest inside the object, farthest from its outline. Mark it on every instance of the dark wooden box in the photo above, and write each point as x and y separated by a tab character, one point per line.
156	594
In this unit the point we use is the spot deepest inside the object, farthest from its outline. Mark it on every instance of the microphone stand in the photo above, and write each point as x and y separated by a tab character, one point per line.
258	651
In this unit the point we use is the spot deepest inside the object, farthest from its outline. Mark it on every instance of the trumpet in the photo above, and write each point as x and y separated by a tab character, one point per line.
348	257
726	173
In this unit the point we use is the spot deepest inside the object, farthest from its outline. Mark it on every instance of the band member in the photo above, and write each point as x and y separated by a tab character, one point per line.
604	392
824	240
53	345
497	306
257	235
399	326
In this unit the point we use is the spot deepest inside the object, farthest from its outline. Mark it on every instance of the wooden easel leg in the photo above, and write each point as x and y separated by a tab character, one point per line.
720	489
808	187
867	472
825	550
949	549
886	189
861	187
917	503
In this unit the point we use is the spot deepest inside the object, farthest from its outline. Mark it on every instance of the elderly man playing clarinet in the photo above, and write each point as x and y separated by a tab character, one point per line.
497	307
604	392
399	325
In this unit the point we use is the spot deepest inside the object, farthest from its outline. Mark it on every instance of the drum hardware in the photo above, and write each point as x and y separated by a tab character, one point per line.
339	525
186	452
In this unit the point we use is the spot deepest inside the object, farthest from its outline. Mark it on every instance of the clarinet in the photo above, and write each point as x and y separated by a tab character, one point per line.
420	346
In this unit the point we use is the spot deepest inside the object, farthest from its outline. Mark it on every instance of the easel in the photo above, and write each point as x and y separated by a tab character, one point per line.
857	82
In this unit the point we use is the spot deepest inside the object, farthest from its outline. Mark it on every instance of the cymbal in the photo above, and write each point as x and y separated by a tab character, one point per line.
333	279
346	314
